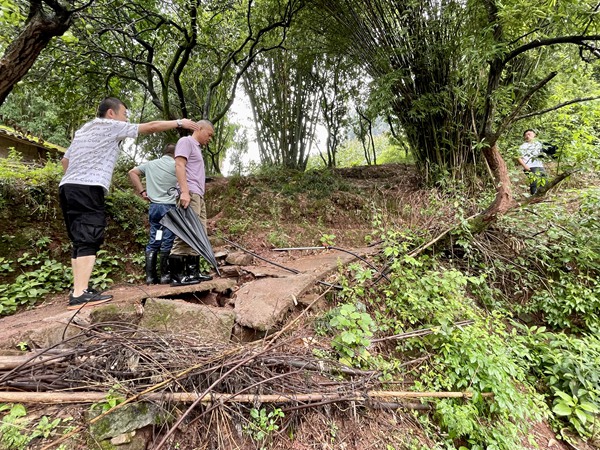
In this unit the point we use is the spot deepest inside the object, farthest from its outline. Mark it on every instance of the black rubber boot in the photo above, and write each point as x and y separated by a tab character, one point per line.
151	277
179	271
165	274
193	269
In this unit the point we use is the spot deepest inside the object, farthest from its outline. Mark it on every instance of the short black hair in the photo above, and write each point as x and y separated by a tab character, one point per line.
529	129
169	149
109	103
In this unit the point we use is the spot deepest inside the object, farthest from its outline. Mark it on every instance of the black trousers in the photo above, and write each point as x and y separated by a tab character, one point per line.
83	209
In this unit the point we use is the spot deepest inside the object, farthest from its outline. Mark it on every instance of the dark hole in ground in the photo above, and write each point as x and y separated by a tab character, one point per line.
210	298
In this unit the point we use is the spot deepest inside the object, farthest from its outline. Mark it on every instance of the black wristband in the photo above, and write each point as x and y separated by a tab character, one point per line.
142	191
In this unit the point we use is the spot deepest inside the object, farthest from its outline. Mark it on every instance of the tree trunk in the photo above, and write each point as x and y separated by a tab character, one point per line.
24	50
503	201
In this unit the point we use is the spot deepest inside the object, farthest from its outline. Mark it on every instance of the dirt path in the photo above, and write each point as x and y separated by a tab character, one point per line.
263	289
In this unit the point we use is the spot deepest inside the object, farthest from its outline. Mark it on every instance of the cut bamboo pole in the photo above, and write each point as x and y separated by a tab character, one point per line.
12	362
185	397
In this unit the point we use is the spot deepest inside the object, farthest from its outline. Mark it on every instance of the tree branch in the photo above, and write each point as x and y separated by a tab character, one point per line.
537	43
511	118
554	108
543	190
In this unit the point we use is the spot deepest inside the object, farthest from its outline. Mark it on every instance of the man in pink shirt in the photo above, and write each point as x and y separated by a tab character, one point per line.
191	178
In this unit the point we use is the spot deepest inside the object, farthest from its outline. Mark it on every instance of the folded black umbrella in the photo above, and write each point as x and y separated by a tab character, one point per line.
184	222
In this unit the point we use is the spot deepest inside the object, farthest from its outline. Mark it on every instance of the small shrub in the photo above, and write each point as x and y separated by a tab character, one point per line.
354	327
263	424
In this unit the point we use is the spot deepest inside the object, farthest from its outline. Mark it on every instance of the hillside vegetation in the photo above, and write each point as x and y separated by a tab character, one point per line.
512	312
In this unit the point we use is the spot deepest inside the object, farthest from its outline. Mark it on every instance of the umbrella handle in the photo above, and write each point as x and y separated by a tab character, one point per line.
174	189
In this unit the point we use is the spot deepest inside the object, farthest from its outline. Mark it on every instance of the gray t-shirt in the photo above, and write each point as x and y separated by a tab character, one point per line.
94	151
160	177
190	149
530	151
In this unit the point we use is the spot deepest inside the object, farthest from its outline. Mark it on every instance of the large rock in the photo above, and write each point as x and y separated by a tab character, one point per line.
176	316
52	331
127	419
264	303
117	312
239	259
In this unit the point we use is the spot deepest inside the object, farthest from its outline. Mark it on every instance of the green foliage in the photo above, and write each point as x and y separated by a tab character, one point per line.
12	427
15	432
47	276
573	129
422	292
568	369
31	185
6	265
34	108
317	184
478	358
327	240
278	239
128	210
581	414
238	226
263	424
354	327
561	281
113	398
106	265
351	154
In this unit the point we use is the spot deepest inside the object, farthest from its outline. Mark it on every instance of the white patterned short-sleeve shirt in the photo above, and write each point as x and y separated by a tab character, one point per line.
94	151
530	151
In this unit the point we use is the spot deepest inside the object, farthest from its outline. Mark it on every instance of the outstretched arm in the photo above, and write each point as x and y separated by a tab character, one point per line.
164	125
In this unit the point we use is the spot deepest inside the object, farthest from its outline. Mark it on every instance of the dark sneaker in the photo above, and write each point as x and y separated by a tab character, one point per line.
98	295
88	298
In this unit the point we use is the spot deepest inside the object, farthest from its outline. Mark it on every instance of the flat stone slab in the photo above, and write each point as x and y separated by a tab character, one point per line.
45	325
266	271
262	304
208	323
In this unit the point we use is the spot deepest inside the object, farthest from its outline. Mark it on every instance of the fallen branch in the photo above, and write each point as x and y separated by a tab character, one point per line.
543	190
421	332
425	246
554	108
13	362
57	398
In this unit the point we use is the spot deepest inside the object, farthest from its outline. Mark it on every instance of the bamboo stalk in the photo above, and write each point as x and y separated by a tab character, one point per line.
12	362
188	397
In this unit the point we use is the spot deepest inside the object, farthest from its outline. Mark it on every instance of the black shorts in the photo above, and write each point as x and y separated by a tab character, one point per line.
83	209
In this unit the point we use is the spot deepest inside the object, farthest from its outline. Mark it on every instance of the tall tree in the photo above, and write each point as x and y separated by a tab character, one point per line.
337	80
43	20
285	105
458	74
187	55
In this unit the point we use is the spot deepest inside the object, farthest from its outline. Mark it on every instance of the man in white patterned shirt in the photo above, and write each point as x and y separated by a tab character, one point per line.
530	160
88	164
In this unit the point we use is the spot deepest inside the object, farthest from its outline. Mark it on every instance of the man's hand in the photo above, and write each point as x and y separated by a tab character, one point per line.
190	124
184	199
